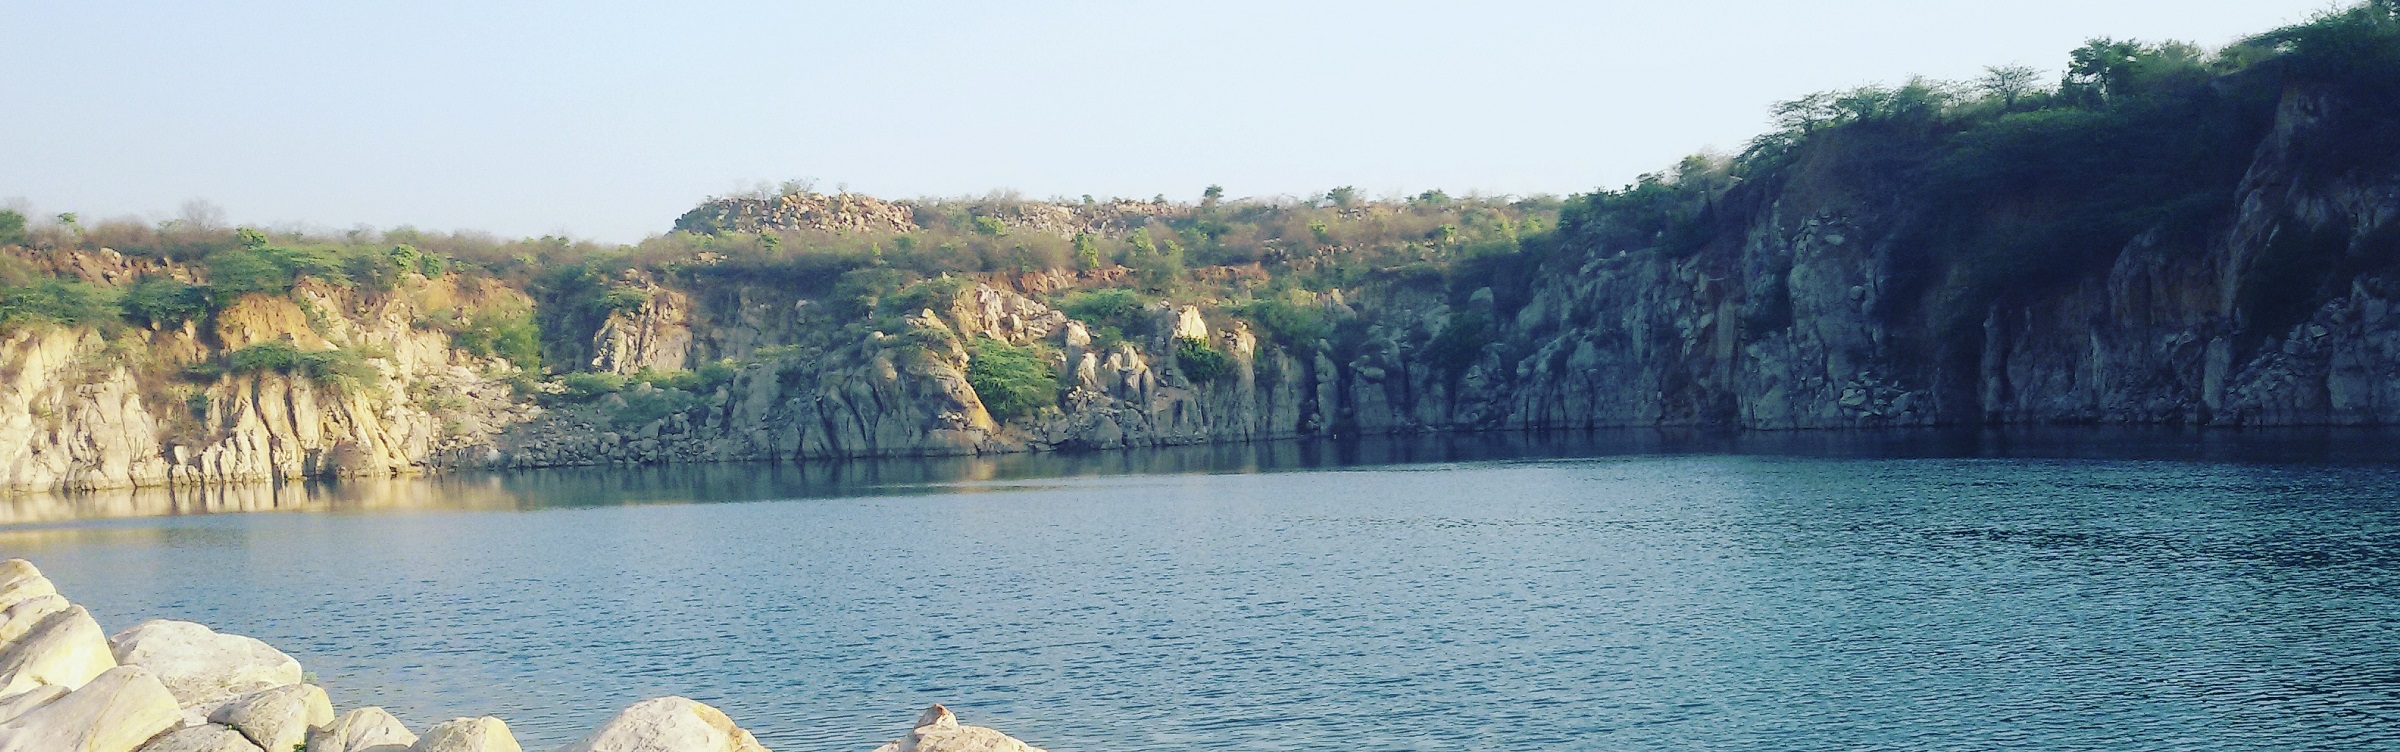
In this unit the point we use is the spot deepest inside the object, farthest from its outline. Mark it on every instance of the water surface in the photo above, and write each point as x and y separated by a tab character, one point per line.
2068	590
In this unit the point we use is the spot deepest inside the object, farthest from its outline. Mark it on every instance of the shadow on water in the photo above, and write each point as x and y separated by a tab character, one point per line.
753	481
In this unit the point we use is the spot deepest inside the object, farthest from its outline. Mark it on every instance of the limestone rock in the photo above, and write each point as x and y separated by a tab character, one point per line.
939	731
118	711
206	737
23	702
52	645
19	580
668	724
362	730
202	667
485	734
277	718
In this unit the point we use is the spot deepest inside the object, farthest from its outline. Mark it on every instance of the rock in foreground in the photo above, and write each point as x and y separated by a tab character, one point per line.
203	668
668	724
939	731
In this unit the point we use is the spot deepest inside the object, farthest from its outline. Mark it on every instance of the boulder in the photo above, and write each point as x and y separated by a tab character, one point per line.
64	647
203	668
277	718
206	737
23	702
668	724
362	730
939	731
486	734
117	711
19	581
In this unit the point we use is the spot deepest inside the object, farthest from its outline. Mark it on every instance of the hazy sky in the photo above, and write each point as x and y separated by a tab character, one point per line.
606	120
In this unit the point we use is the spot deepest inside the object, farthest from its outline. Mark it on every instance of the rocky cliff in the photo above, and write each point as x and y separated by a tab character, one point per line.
1918	261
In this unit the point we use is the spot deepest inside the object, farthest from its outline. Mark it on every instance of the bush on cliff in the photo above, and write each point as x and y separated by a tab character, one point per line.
162	302
55	302
345	371
1012	380
1200	362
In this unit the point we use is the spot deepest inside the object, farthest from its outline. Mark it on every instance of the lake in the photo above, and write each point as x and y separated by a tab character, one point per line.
2071	589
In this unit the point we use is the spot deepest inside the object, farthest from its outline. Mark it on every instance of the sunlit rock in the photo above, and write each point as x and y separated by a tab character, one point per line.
939	731
204	668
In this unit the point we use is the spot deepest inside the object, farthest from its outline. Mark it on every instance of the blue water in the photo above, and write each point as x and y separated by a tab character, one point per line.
1883	596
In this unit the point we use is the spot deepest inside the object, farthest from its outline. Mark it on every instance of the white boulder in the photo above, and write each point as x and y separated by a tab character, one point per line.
117	711
939	731
362	730
19	581
64	646
668	724
486	734
23	702
206	737
277	718
204	668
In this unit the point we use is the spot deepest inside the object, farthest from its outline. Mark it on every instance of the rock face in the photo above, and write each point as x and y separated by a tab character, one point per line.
118	711
201	667
668	724
485	734
939	731
362	730
81	411
276	718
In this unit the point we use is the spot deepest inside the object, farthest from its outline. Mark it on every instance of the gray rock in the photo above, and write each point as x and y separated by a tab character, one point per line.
668	724
362	730
204	668
939	731
485	734
117	711
206	737
277	718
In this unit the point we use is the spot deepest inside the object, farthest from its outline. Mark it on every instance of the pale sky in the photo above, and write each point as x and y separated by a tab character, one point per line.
605	120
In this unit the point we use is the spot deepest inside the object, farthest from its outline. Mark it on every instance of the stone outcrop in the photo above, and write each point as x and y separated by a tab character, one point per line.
938	730
81	411
482	734
202	668
276	718
118	711
206	737
668	724
362	730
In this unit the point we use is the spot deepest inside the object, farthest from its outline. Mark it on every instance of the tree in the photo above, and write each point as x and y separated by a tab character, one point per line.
1212	195
1087	251
1343	197
2009	83
12	227
2101	65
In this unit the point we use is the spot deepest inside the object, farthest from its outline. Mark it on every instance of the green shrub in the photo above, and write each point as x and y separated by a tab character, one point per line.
585	387
510	335
1201	363
645	405
344	370
163	302
12	227
1460	343
1012	380
1300	327
1119	309
55	302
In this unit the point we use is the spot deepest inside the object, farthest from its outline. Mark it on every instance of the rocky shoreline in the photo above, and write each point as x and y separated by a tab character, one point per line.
176	686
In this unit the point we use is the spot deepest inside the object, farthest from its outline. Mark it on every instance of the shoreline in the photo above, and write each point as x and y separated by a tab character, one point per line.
176	686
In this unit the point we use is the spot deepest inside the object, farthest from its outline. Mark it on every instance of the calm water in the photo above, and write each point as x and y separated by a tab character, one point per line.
1638	592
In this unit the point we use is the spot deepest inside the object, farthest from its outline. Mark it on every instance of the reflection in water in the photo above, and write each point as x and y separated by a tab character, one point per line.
618	485
1755	592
